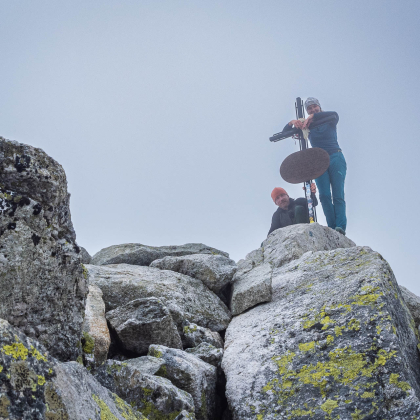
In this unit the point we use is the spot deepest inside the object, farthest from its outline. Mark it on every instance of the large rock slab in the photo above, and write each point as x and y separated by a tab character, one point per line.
42	284
215	271
251	288
186	298
413	303
336	341
154	396
139	254
291	242
34	386
191	374
142	322
96	339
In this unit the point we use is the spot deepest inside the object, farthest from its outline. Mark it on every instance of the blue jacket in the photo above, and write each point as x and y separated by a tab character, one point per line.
325	135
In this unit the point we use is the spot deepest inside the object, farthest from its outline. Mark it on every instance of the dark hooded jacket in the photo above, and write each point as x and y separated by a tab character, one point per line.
282	218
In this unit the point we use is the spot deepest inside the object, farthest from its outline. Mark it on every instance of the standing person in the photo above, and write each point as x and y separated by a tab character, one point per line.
290	211
325	137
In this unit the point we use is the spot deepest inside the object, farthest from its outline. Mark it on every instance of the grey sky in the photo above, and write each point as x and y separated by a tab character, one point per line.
160	113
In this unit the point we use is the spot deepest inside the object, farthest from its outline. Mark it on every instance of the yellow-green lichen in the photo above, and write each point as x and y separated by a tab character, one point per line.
16	350
329	406
330	339
88	343
85	271
307	346
41	380
345	367
155	353
35	353
368	394
353	324
106	413
126	410
189	330
393	380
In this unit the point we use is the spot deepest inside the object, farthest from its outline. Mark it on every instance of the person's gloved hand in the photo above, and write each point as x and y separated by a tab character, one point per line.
308	121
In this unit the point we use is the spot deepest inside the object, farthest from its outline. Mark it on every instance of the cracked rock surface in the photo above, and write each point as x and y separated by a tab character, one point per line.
336	341
186	298
42	284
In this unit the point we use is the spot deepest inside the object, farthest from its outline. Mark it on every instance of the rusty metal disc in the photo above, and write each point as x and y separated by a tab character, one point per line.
304	165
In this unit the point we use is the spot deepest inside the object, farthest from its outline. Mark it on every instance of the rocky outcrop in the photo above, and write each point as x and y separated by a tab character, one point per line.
194	335
95	339
413	304
142	322
289	243
336	341
33	385
191	374
215	271
154	396
252	281
42	284
251	288
85	256
186	298
138	254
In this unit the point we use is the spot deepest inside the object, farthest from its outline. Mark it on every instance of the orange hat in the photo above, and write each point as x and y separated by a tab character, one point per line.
276	192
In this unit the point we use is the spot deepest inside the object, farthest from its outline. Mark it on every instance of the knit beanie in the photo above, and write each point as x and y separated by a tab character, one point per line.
311	101
276	192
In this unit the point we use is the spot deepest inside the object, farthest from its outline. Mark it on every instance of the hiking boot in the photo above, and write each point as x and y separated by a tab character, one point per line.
339	230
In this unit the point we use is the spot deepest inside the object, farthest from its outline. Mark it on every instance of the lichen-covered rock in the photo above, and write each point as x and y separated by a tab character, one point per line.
251	288
142	322
186	298
35	386
193	335
42	284
413	304
138	254
147	364
291	242
207	353
215	271
154	396
191	374
85	256
96	339
337	341
184	415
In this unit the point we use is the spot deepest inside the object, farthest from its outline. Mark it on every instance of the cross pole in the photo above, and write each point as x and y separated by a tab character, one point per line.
300	113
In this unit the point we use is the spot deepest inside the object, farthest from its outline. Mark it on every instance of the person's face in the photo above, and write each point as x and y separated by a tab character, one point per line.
282	200
313	109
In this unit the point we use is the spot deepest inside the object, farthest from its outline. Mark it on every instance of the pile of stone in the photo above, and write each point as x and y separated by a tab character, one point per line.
320	327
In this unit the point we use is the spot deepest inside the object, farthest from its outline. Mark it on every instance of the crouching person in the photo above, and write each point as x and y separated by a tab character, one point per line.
290	211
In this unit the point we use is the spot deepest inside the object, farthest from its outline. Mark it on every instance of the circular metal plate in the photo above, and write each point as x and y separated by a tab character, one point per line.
304	165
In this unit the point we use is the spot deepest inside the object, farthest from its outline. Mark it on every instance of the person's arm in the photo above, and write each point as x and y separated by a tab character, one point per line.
323	114
275	223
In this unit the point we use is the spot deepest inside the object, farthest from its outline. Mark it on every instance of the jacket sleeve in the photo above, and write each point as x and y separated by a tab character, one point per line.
287	128
324	114
275	223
